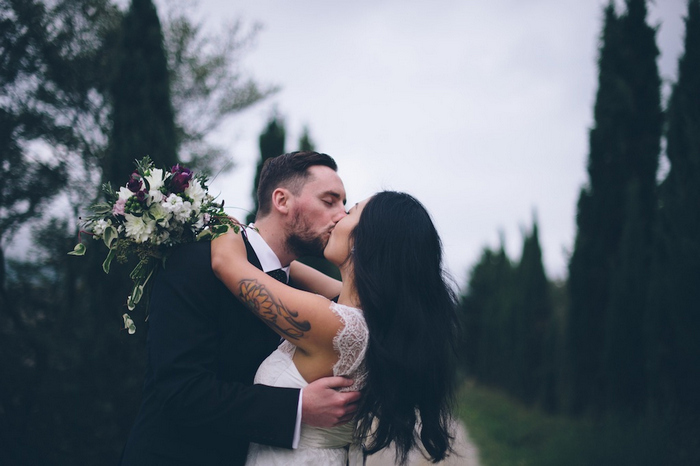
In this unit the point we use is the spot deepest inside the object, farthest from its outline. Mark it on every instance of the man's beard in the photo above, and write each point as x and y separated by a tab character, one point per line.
302	241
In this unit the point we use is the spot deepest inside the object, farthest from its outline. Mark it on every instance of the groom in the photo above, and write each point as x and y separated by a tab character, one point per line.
199	405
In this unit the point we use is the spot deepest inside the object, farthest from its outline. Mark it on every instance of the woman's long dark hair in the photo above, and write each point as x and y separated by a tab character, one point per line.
410	311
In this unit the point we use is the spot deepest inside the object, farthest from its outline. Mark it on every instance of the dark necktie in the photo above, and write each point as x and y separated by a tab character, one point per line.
279	275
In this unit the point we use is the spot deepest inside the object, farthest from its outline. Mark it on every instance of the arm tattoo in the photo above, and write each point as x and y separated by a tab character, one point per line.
272	311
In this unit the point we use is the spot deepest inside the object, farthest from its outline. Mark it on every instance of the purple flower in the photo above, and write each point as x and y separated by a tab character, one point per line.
178	169
141	196
180	179
135	184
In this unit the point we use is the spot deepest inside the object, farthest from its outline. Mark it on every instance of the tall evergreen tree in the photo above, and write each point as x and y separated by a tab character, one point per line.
305	142
624	151
143	117
625	353
598	220
271	143
487	344
674	310
532	309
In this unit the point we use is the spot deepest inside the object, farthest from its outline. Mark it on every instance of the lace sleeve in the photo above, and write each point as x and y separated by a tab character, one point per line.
351	344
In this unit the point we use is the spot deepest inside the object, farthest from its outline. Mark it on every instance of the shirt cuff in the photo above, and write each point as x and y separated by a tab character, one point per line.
297	428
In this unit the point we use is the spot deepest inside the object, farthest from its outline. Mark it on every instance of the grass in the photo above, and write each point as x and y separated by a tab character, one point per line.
510	434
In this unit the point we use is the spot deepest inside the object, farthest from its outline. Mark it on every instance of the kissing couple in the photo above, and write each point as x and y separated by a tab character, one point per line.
363	364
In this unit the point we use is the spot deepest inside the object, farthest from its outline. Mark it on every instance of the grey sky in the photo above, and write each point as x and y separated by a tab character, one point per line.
479	109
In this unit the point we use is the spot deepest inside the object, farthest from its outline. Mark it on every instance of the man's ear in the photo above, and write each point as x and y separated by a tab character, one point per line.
281	200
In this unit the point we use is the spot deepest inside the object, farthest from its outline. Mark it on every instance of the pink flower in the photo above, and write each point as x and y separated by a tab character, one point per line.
118	208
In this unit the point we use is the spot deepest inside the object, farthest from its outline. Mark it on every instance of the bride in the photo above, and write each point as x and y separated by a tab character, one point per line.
392	331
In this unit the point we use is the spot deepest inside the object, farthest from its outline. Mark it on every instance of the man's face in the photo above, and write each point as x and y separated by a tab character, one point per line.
315	211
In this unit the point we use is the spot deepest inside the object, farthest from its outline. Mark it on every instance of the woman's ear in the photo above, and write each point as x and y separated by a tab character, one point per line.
281	200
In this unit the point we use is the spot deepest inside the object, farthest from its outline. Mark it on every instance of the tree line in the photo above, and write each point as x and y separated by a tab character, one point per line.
86	88
620	335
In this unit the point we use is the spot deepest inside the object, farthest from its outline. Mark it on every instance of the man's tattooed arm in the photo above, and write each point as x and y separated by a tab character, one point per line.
272	311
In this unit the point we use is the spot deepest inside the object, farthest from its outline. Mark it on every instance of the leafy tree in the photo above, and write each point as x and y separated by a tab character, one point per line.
207	84
63	351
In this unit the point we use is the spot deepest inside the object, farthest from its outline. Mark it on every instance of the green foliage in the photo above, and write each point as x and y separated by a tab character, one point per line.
271	143
506	432
673	317
305	142
617	207
143	116
487	318
208	84
63	350
533	324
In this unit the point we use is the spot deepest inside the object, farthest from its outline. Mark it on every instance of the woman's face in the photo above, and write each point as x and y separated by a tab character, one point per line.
338	247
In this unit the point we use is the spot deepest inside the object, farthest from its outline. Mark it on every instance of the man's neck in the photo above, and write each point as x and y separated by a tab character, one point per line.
274	236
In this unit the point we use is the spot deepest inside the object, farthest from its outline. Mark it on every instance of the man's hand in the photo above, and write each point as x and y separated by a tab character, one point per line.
324	406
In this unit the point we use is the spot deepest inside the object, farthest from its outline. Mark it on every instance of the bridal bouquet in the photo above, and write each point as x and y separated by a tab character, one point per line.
153	212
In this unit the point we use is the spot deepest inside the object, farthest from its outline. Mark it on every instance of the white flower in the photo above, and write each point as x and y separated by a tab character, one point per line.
201	221
155	197
196	192
155	179
181	209
98	227
172	203
185	212
139	228
125	193
160	214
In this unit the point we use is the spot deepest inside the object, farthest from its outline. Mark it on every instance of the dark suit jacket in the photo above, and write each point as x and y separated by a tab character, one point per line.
199	406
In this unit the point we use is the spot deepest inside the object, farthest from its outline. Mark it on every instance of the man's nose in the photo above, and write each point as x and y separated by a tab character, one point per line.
340	215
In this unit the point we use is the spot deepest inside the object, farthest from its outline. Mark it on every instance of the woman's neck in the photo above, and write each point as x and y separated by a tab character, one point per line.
348	292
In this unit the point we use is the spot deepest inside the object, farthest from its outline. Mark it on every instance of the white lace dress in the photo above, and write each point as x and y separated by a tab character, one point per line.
317	446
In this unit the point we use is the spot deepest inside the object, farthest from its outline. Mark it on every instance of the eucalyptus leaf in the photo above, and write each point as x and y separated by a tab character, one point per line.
129	324
204	234
78	250
109	236
101	209
108	261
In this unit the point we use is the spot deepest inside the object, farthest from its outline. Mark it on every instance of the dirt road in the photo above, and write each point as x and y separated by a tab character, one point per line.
465	454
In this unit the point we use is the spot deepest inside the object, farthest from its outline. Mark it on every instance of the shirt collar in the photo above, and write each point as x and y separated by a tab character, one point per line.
268	259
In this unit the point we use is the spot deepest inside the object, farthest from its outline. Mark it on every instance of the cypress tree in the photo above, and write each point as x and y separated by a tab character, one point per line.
271	143
605	320
305	142
674	311
598	219
143	117
533	315
625	354
488	322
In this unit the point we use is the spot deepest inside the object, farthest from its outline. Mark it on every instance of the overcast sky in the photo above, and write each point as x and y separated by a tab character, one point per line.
480	109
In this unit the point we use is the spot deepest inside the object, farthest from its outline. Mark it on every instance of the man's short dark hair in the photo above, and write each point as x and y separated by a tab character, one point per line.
288	171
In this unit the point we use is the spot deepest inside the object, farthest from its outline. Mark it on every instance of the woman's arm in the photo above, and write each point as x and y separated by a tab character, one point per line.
307	278
305	319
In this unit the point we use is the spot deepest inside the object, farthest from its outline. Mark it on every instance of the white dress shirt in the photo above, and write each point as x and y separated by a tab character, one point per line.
269	261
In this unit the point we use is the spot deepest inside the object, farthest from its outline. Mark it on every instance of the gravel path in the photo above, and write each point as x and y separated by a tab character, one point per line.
466	453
